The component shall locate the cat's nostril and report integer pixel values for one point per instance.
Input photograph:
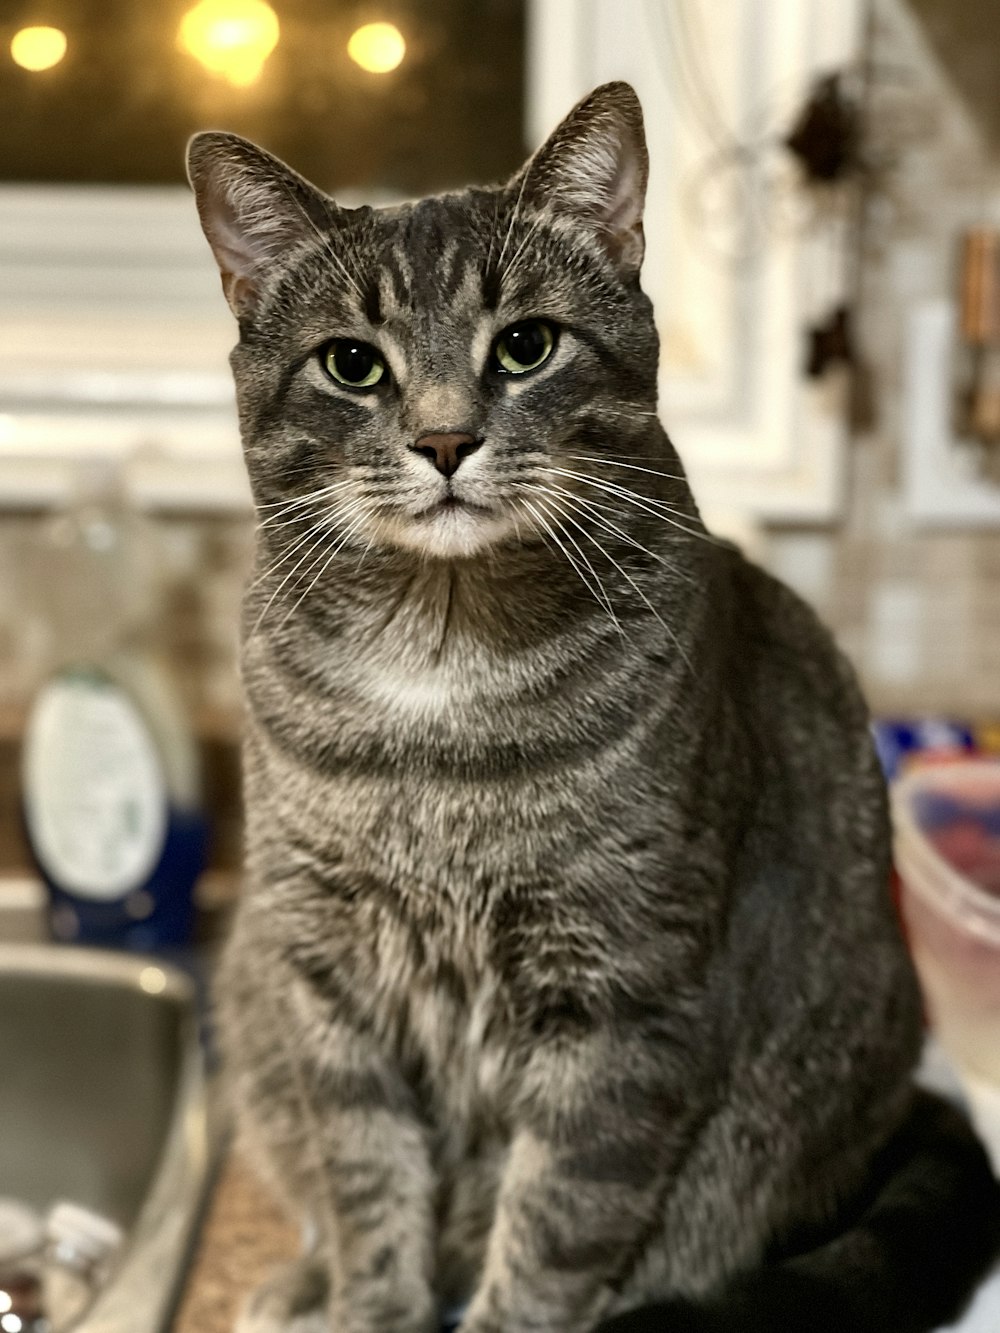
(446, 449)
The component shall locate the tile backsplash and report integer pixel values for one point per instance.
(201, 564)
(919, 616)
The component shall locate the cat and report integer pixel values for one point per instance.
(566, 986)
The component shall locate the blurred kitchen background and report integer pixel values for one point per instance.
(817, 172)
(823, 250)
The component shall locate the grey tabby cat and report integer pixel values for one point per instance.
(566, 986)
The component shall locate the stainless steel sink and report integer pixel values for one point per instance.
(103, 1103)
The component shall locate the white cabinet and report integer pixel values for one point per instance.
(739, 259)
(113, 342)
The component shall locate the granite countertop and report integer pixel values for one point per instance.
(244, 1237)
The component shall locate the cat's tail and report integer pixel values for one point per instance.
(907, 1264)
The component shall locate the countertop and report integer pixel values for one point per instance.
(244, 1237)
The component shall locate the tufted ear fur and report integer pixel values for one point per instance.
(253, 210)
(595, 165)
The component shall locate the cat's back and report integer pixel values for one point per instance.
(794, 687)
(813, 870)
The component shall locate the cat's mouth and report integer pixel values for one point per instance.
(451, 503)
(449, 526)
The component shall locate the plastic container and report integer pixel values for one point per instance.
(81, 1247)
(110, 782)
(51, 1269)
(947, 850)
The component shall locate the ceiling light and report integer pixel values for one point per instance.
(231, 38)
(377, 47)
(38, 48)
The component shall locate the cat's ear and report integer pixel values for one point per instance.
(595, 165)
(253, 209)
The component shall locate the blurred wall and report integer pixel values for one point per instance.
(918, 610)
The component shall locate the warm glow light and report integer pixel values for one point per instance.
(377, 47)
(38, 48)
(5, 1301)
(10, 1323)
(232, 38)
(153, 980)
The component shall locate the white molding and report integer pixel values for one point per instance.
(114, 339)
(169, 460)
(757, 438)
(940, 484)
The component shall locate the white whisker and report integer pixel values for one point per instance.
(282, 506)
(273, 521)
(513, 219)
(583, 556)
(319, 519)
(601, 597)
(318, 516)
(587, 508)
(359, 522)
(645, 502)
(368, 547)
(493, 235)
(632, 467)
(268, 572)
(529, 235)
(626, 575)
(328, 519)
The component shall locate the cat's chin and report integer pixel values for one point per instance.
(448, 534)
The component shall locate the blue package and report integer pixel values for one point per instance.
(896, 738)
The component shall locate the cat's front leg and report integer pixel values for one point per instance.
(336, 1118)
(600, 1132)
(379, 1235)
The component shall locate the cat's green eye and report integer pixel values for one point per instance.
(356, 365)
(524, 346)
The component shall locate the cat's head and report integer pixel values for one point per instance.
(412, 376)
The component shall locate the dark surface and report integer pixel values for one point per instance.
(123, 102)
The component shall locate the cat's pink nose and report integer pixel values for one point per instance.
(447, 449)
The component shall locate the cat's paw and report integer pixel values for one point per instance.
(292, 1300)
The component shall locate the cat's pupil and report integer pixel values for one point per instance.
(354, 361)
(526, 343)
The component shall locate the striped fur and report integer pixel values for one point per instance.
(565, 977)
